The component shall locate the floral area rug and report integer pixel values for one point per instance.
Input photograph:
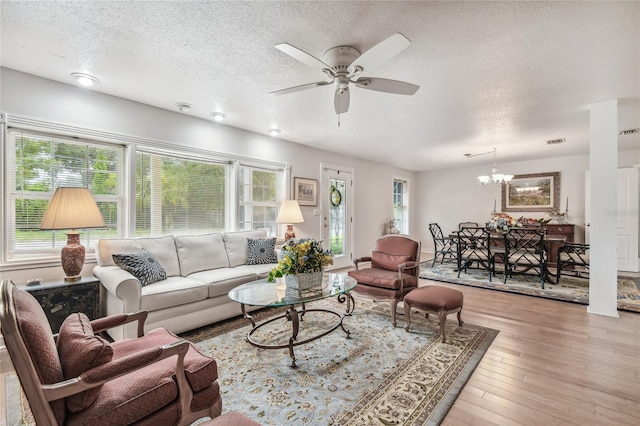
(570, 289)
(379, 375)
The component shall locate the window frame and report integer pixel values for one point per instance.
(403, 226)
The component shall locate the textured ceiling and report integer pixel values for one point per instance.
(509, 75)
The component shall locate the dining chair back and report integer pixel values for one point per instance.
(524, 252)
(444, 247)
(474, 250)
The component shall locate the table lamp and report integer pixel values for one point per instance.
(289, 214)
(72, 208)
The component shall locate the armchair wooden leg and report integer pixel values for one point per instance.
(407, 316)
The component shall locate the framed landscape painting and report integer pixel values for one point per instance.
(305, 191)
(539, 192)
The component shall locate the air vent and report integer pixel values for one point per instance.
(629, 132)
(555, 141)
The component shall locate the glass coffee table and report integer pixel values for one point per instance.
(263, 293)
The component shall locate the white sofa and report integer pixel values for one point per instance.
(200, 269)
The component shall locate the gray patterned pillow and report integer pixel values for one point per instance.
(261, 251)
(143, 265)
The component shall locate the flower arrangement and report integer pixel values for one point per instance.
(502, 222)
(301, 256)
(389, 226)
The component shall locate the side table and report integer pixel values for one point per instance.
(59, 299)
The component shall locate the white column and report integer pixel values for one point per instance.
(603, 164)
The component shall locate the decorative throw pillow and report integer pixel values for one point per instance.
(261, 251)
(142, 265)
(386, 261)
(80, 350)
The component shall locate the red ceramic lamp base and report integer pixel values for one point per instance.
(72, 257)
(289, 234)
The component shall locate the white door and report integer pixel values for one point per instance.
(627, 214)
(336, 195)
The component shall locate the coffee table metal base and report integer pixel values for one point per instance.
(295, 316)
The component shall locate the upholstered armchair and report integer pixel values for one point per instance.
(77, 377)
(393, 271)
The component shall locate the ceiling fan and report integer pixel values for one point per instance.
(344, 65)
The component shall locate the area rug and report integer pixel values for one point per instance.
(379, 375)
(570, 289)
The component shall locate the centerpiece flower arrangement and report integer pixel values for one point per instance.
(502, 222)
(303, 256)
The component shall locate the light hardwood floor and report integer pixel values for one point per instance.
(551, 364)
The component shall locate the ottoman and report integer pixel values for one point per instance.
(434, 299)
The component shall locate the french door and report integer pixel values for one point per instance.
(337, 205)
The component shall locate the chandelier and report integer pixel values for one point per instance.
(495, 177)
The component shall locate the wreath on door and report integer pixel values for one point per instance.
(335, 196)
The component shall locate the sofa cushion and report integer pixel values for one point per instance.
(236, 245)
(200, 253)
(386, 261)
(143, 265)
(173, 291)
(221, 281)
(80, 350)
(164, 248)
(261, 251)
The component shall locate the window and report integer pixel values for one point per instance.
(176, 195)
(401, 205)
(36, 166)
(259, 191)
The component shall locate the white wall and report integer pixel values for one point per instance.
(32, 97)
(449, 197)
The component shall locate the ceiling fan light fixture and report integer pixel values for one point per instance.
(84, 79)
(218, 116)
(274, 132)
(183, 107)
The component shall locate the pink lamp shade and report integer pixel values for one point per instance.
(72, 208)
(289, 214)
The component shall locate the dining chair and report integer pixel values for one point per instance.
(473, 247)
(524, 252)
(445, 247)
(570, 256)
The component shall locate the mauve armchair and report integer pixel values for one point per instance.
(76, 377)
(393, 272)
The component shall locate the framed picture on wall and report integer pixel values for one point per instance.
(305, 191)
(539, 192)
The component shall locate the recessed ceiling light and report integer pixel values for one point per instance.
(218, 116)
(85, 79)
(183, 107)
(274, 132)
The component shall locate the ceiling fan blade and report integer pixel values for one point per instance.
(341, 100)
(300, 88)
(380, 53)
(386, 85)
(301, 56)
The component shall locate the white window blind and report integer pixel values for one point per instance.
(259, 192)
(37, 164)
(177, 195)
